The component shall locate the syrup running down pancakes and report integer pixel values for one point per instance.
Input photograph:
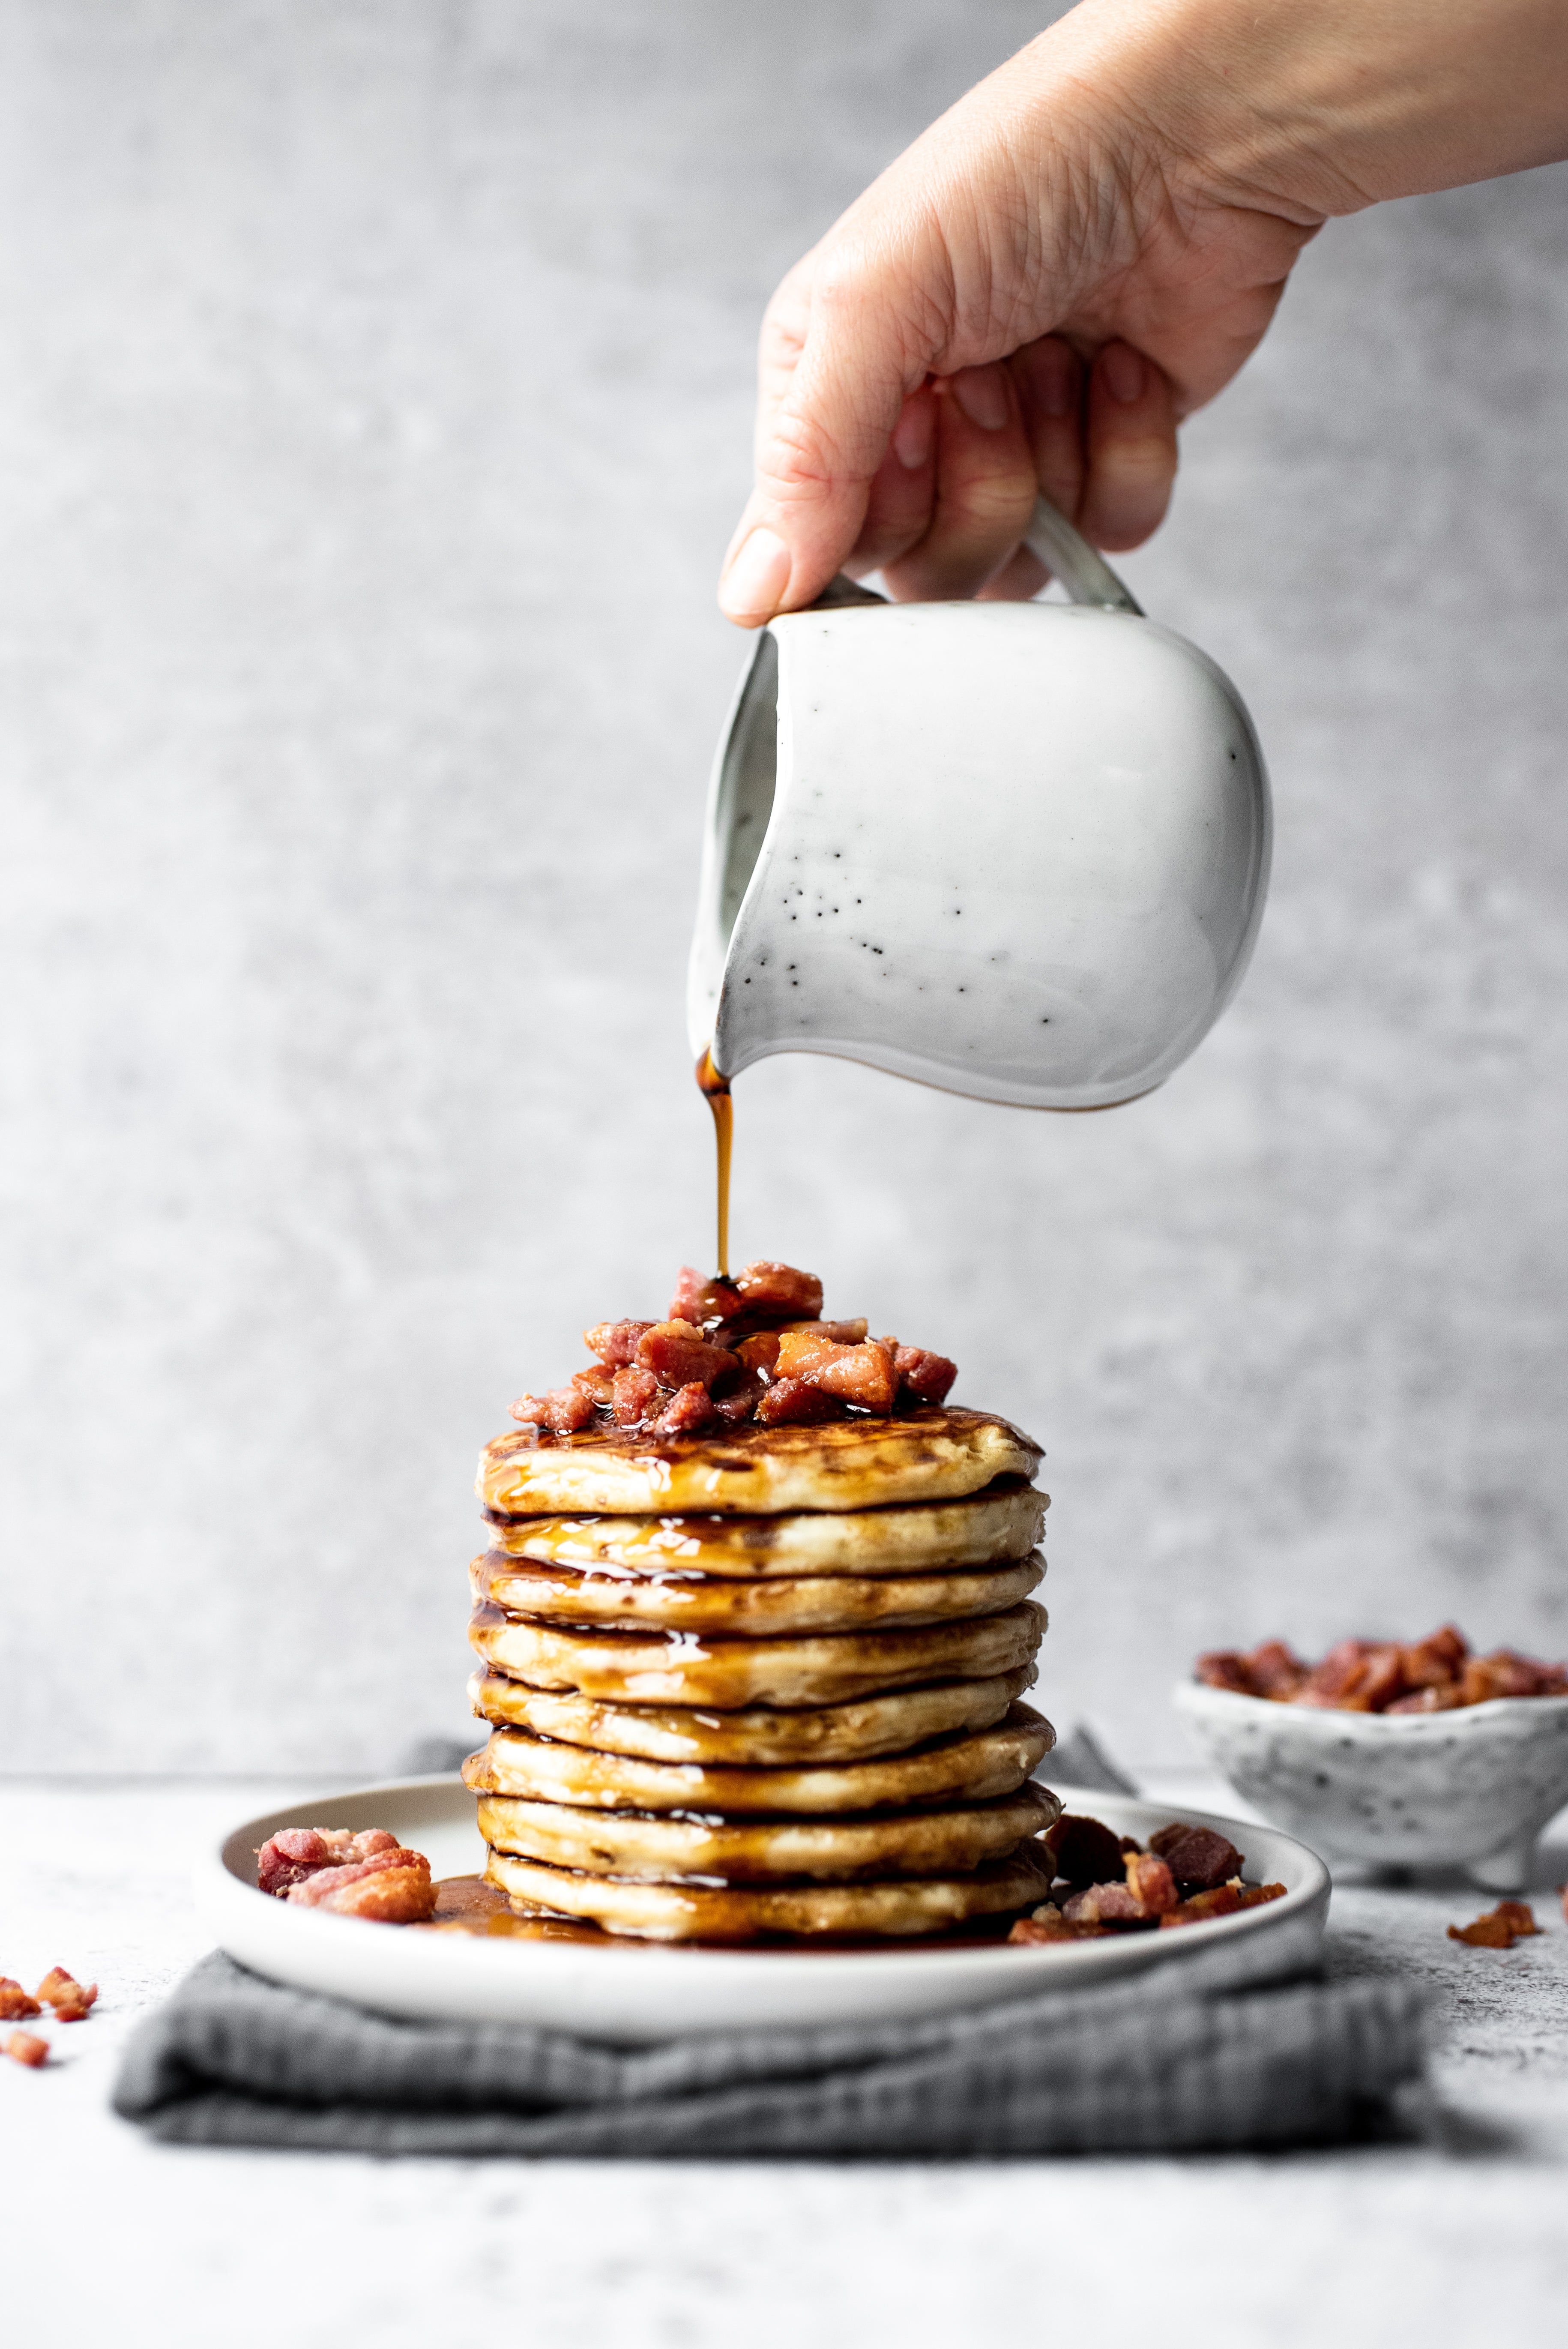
(755, 1617)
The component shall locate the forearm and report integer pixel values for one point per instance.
(1322, 107)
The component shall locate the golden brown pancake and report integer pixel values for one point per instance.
(931, 1454)
(689, 1668)
(756, 1735)
(1004, 1522)
(961, 1769)
(706, 1602)
(646, 1847)
(689, 1912)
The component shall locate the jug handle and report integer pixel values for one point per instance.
(1066, 553)
(1084, 574)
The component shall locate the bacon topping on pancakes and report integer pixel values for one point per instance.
(733, 1353)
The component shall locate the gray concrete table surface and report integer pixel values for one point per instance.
(1453, 2232)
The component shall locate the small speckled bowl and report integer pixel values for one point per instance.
(1470, 1788)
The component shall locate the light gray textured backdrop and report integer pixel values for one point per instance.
(375, 383)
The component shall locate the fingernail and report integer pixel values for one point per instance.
(913, 434)
(755, 582)
(1054, 378)
(980, 394)
(1122, 369)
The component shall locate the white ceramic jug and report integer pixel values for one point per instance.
(1016, 850)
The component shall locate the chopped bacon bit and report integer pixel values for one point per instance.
(15, 2006)
(1278, 1670)
(1432, 1675)
(633, 1396)
(1082, 1850)
(860, 1374)
(677, 1353)
(1446, 1699)
(1105, 1904)
(71, 2000)
(1223, 1667)
(1356, 1676)
(294, 1854)
(1048, 1924)
(790, 1402)
(699, 1300)
(615, 1342)
(1253, 1896)
(1428, 1663)
(391, 1886)
(1197, 1858)
(842, 1333)
(689, 1409)
(740, 1403)
(760, 1353)
(1151, 1883)
(597, 1384)
(1220, 1900)
(25, 2047)
(780, 1288)
(923, 1374)
(1509, 1921)
(565, 1412)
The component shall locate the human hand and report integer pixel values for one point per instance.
(1083, 250)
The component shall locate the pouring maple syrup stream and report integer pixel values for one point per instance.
(717, 1088)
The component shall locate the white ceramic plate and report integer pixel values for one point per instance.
(636, 1992)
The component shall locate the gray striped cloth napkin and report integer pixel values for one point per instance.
(1213, 2050)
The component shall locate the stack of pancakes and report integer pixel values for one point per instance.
(763, 1681)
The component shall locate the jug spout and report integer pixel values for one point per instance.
(1016, 850)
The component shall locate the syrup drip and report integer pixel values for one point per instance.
(716, 1089)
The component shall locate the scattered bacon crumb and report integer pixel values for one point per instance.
(25, 2047)
(1509, 1921)
(71, 2000)
(15, 2006)
(1436, 1674)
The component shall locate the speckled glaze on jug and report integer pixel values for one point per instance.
(1470, 1788)
(1016, 850)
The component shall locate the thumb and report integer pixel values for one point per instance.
(838, 358)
